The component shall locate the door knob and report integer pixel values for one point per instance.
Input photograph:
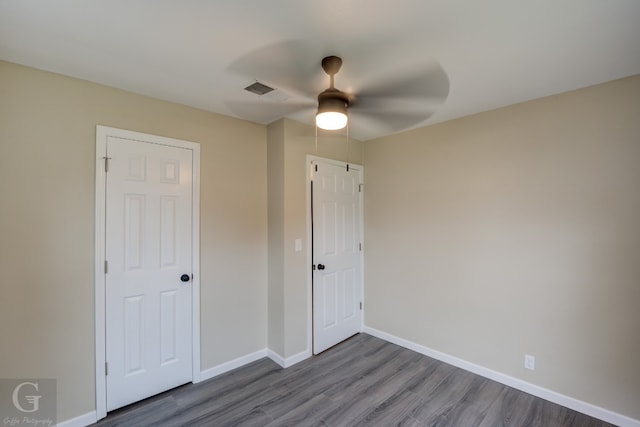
(185, 278)
(320, 266)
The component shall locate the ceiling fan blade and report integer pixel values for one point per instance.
(376, 104)
(384, 122)
(390, 105)
(292, 65)
(266, 112)
(363, 127)
(424, 80)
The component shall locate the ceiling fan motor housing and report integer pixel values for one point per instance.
(333, 100)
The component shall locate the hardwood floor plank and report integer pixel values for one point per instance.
(443, 398)
(473, 406)
(364, 393)
(153, 412)
(307, 413)
(370, 372)
(226, 408)
(392, 411)
(363, 381)
(410, 422)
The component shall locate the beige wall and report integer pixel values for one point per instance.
(289, 144)
(47, 155)
(516, 231)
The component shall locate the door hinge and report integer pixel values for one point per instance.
(106, 369)
(347, 167)
(106, 266)
(360, 247)
(316, 168)
(360, 305)
(360, 188)
(106, 163)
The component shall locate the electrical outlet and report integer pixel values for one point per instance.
(530, 362)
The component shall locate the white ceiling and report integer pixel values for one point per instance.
(195, 52)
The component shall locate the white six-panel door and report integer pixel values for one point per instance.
(148, 249)
(337, 276)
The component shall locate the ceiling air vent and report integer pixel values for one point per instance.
(258, 88)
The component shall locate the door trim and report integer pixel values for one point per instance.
(311, 160)
(102, 133)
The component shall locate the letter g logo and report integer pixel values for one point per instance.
(33, 400)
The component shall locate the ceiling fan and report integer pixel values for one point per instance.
(384, 96)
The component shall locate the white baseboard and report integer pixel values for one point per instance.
(80, 421)
(297, 358)
(248, 358)
(546, 394)
(289, 361)
(276, 358)
(232, 364)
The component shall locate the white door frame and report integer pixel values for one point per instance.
(102, 133)
(310, 161)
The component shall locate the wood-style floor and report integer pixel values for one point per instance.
(363, 381)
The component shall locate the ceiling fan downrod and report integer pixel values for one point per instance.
(331, 65)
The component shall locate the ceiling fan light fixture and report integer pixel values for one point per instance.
(331, 120)
(332, 113)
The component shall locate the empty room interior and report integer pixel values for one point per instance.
(478, 207)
